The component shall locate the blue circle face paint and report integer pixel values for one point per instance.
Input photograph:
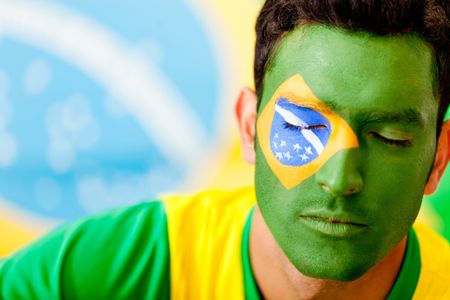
(298, 134)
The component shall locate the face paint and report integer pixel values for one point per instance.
(339, 212)
(299, 133)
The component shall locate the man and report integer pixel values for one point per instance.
(346, 130)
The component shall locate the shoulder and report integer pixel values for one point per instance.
(113, 235)
(435, 264)
(113, 226)
(100, 229)
(121, 252)
(125, 250)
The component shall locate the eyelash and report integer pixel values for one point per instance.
(399, 143)
(298, 128)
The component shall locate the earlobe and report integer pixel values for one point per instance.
(441, 160)
(245, 111)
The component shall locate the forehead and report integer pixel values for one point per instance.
(353, 71)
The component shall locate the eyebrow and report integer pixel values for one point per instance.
(408, 116)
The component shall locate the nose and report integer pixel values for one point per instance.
(340, 175)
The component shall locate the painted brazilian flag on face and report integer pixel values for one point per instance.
(298, 133)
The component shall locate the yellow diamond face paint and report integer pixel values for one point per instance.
(299, 133)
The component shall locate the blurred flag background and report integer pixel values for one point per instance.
(108, 103)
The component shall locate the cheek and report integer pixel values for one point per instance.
(398, 171)
(264, 176)
(275, 201)
(279, 206)
(395, 189)
(268, 187)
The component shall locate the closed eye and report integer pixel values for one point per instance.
(309, 127)
(399, 143)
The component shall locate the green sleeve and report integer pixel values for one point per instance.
(123, 254)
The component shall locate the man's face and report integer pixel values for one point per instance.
(357, 114)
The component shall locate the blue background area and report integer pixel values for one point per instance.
(172, 37)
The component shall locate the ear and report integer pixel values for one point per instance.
(245, 111)
(441, 159)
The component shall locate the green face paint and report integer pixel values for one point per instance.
(343, 219)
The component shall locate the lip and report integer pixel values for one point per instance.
(335, 225)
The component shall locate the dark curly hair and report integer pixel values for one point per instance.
(428, 18)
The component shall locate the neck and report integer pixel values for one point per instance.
(278, 278)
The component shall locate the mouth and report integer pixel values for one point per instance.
(333, 225)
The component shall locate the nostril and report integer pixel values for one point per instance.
(325, 187)
(352, 191)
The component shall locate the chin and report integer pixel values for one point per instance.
(343, 275)
(345, 269)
